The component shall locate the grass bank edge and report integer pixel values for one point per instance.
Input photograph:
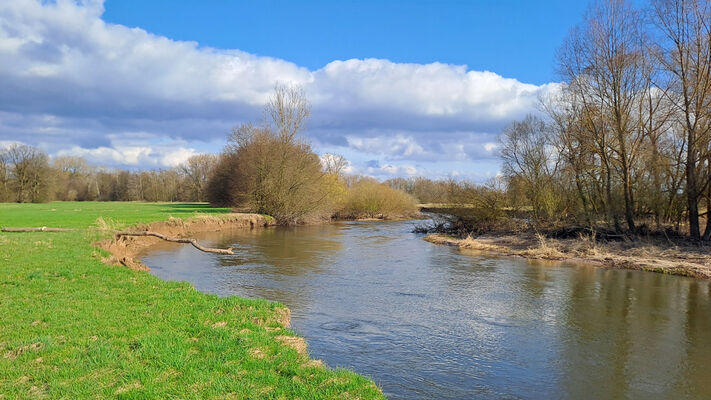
(104, 318)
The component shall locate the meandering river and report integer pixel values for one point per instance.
(432, 322)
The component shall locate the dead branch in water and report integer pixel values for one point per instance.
(176, 240)
(129, 233)
(39, 229)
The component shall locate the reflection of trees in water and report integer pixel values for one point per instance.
(292, 251)
(625, 335)
(278, 263)
(605, 333)
(697, 328)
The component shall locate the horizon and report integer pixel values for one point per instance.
(399, 92)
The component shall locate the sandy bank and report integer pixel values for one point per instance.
(125, 250)
(654, 256)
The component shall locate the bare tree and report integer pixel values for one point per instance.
(529, 154)
(29, 173)
(684, 51)
(334, 164)
(5, 192)
(287, 111)
(197, 170)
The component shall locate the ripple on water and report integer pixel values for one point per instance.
(340, 326)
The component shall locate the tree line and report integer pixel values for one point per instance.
(626, 141)
(27, 175)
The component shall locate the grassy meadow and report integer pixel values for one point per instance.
(74, 327)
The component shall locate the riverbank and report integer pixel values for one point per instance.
(653, 255)
(74, 327)
(125, 250)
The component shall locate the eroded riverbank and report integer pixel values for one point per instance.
(125, 250)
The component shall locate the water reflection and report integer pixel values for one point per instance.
(427, 321)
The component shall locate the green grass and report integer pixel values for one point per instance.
(83, 214)
(72, 327)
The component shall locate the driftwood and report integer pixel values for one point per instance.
(176, 240)
(40, 229)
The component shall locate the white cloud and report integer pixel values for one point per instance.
(132, 156)
(395, 170)
(398, 146)
(70, 82)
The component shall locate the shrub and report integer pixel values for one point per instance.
(368, 198)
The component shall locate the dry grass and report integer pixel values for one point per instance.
(642, 254)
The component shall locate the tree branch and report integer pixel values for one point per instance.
(176, 240)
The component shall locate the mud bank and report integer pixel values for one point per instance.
(693, 261)
(124, 251)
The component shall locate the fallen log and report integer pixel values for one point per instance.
(37, 229)
(176, 240)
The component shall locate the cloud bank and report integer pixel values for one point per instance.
(74, 84)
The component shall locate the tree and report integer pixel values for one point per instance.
(605, 64)
(5, 192)
(270, 170)
(684, 52)
(197, 170)
(29, 173)
(529, 155)
(71, 178)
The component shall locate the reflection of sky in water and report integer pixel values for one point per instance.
(427, 321)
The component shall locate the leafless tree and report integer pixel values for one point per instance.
(29, 173)
(529, 155)
(197, 170)
(287, 111)
(684, 51)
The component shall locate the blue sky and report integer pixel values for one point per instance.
(398, 88)
(514, 38)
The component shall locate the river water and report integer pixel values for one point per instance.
(432, 322)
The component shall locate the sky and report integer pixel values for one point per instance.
(399, 88)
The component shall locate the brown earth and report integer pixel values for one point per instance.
(124, 251)
(645, 255)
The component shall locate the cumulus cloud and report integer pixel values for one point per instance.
(132, 156)
(74, 84)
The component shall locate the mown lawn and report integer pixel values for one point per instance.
(72, 327)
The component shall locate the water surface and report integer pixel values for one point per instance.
(431, 322)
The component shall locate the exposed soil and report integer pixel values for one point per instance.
(644, 254)
(125, 249)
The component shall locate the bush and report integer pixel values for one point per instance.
(368, 198)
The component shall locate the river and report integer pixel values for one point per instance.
(432, 322)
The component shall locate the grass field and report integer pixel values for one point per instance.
(72, 327)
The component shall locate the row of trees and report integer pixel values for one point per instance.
(627, 141)
(28, 175)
